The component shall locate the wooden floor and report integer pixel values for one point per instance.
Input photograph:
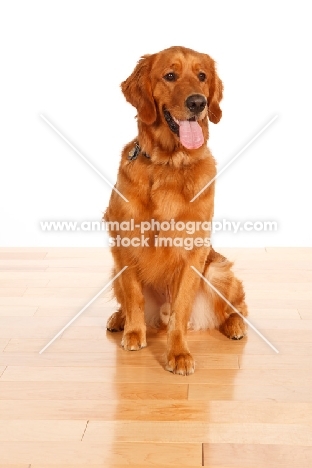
(85, 402)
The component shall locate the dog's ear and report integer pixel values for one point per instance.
(137, 90)
(215, 96)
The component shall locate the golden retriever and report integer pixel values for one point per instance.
(176, 92)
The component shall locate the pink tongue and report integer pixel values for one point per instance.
(191, 135)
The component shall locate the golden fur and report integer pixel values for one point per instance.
(159, 287)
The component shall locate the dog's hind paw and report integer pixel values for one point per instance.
(234, 327)
(116, 322)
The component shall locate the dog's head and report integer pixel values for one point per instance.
(177, 87)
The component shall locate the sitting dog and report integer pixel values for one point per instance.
(176, 92)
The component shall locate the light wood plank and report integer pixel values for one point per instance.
(91, 391)
(293, 252)
(282, 324)
(79, 252)
(9, 465)
(24, 249)
(147, 360)
(249, 252)
(39, 431)
(278, 275)
(222, 345)
(3, 344)
(9, 292)
(23, 345)
(33, 254)
(305, 314)
(256, 456)
(101, 453)
(277, 361)
(131, 374)
(61, 262)
(17, 311)
(59, 278)
(277, 301)
(23, 283)
(301, 263)
(34, 321)
(96, 309)
(77, 281)
(223, 411)
(31, 331)
(99, 269)
(108, 465)
(88, 293)
(292, 392)
(20, 267)
(277, 314)
(276, 293)
(49, 301)
(208, 432)
(286, 336)
(302, 286)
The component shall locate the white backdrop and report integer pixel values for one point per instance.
(66, 59)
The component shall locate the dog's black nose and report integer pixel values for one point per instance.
(196, 103)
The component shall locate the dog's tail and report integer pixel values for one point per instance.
(211, 306)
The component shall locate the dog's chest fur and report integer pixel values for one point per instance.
(165, 189)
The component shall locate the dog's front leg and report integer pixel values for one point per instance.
(134, 336)
(179, 358)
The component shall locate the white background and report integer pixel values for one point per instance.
(66, 60)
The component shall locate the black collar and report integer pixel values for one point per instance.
(134, 153)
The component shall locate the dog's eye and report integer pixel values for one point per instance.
(170, 76)
(201, 76)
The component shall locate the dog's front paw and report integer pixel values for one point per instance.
(182, 364)
(133, 340)
(234, 327)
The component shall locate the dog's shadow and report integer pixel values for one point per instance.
(152, 356)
